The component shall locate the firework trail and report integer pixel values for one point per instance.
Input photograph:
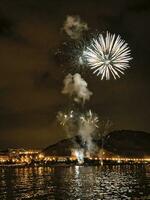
(107, 56)
(74, 27)
(76, 87)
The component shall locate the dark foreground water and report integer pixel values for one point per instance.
(75, 183)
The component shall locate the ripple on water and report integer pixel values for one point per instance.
(75, 182)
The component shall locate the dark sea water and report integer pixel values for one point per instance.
(76, 182)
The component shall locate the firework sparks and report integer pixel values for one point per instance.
(108, 56)
(65, 117)
(90, 118)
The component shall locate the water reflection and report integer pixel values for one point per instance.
(75, 182)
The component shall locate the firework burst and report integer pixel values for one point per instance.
(89, 118)
(64, 117)
(107, 56)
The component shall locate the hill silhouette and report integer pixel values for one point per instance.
(125, 142)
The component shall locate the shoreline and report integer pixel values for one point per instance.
(20, 165)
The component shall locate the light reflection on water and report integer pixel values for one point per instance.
(75, 183)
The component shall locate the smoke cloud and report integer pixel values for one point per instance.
(76, 87)
(88, 125)
(86, 131)
(74, 27)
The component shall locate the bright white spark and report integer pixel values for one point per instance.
(79, 155)
(108, 56)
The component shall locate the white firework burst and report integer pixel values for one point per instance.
(89, 118)
(62, 118)
(108, 56)
(65, 117)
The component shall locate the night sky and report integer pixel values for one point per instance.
(31, 79)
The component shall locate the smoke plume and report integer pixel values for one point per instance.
(74, 27)
(88, 125)
(76, 87)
